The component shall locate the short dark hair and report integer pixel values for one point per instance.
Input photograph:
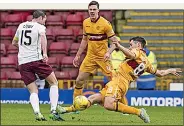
(139, 39)
(94, 3)
(38, 13)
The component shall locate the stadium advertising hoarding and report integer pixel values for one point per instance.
(135, 98)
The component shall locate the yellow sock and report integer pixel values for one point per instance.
(70, 109)
(120, 107)
(124, 101)
(77, 92)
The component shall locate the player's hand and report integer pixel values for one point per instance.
(76, 61)
(116, 43)
(107, 56)
(175, 71)
(45, 58)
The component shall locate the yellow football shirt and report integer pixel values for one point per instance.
(97, 34)
(130, 69)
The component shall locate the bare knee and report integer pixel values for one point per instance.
(55, 82)
(33, 91)
(95, 98)
(108, 103)
(32, 88)
(51, 79)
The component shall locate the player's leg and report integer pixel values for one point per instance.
(34, 100)
(106, 68)
(40, 83)
(87, 67)
(114, 105)
(125, 102)
(54, 96)
(28, 76)
(92, 99)
(44, 71)
(78, 87)
(95, 98)
(112, 100)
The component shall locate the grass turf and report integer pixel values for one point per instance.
(22, 114)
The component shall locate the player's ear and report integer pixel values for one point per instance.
(40, 18)
(44, 17)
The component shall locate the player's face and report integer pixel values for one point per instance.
(93, 11)
(44, 20)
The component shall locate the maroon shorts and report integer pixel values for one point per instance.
(28, 71)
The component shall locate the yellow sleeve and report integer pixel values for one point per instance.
(108, 29)
(151, 69)
(136, 52)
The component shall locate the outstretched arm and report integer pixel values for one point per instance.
(174, 71)
(126, 51)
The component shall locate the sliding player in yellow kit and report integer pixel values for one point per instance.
(135, 64)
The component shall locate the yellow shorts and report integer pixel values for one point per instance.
(116, 88)
(91, 65)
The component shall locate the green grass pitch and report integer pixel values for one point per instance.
(22, 114)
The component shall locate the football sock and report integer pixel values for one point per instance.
(35, 102)
(70, 109)
(77, 92)
(124, 101)
(120, 107)
(53, 97)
